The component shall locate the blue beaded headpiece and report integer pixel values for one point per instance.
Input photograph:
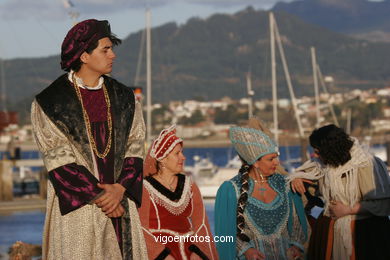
(251, 144)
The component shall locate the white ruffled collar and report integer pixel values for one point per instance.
(80, 83)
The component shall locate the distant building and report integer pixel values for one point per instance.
(386, 111)
(380, 125)
(385, 92)
(8, 118)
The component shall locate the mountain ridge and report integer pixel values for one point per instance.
(209, 58)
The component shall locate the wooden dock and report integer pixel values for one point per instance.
(22, 204)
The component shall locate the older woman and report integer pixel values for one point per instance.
(172, 214)
(355, 187)
(256, 207)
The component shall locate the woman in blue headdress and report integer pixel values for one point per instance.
(256, 207)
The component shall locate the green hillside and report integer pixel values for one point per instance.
(208, 59)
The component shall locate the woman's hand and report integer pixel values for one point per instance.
(254, 254)
(294, 253)
(297, 185)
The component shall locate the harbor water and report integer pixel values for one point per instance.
(27, 226)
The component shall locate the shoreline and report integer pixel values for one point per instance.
(216, 142)
(22, 204)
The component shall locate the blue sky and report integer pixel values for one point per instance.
(36, 28)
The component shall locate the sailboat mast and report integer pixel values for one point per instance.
(273, 71)
(3, 90)
(349, 117)
(316, 91)
(288, 79)
(148, 78)
(250, 94)
(140, 58)
(330, 105)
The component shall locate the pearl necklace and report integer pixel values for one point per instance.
(88, 123)
(262, 179)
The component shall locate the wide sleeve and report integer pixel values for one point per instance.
(310, 170)
(131, 175)
(131, 178)
(135, 146)
(374, 184)
(52, 143)
(225, 211)
(298, 227)
(156, 250)
(201, 226)
(74, 184)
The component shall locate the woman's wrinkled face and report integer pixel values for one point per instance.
(174, 162)
(267, 164)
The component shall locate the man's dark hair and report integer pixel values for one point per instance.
(333, 145)
(77, 64)
(84, 37)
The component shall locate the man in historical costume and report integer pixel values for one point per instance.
(90, 130)
(355, 189)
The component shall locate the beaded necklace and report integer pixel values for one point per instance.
(88, 124)
(262, 181)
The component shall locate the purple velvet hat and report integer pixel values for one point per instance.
(80, 38)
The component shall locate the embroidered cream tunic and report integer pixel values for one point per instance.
(86, 233)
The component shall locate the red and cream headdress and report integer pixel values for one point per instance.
(164, 143)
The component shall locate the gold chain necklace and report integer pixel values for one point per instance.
(88, 124)
(169, 183)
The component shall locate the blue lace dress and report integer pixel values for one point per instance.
(272, 227)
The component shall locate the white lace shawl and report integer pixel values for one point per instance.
(338, 183)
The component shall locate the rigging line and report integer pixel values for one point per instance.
(3, 93)
(325, 89)
(141, 52)
(288, 78)
(3, 89)
(44, 28)
(140, 58)
(266, 71)
(21, 47)
(158, 56)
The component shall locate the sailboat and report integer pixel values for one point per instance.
(275, 41)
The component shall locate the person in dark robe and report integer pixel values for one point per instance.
(90, 130)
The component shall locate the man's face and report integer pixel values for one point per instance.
(101, 58)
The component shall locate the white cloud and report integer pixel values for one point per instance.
(55, 9)
(27, 9)
(256, 3)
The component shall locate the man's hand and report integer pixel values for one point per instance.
(110, 200)
(118, 212)
(297, 185)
